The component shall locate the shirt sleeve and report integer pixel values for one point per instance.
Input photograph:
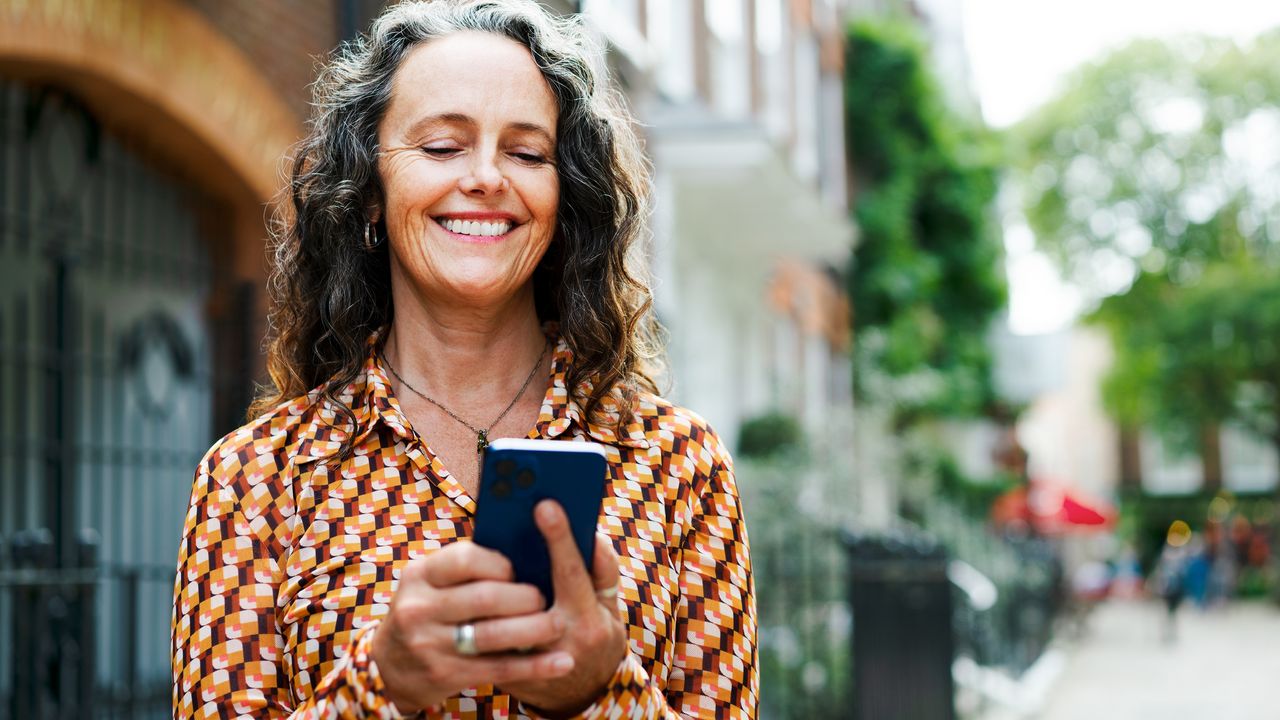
(228, 654)
(714, 671)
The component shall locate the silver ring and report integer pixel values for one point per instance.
(464, 639)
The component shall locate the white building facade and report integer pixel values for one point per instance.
(742, 110)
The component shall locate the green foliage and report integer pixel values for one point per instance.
(926, 276)
(1151, 181)
(1220, 352)
(770, 435)
(800, 587)
(1189, 357)
(1150, 160)
(1145, 519)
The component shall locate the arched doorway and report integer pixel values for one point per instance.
(132, 187)
(107, 377)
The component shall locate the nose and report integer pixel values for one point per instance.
(484, 176)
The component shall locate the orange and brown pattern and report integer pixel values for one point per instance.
(290, 558)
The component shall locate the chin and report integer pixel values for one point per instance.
(480, 291)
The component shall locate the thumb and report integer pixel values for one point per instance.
(569, 576)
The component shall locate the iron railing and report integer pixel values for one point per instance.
(803, 568)
(83, 639)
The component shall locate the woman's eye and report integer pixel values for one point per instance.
(440, 151)
(530, 158)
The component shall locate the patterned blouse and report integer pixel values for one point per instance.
(289, 559)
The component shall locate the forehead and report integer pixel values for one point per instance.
(489, 78)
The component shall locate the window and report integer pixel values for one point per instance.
(772, 29)
(671, 41)
(729, 57)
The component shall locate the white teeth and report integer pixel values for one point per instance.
(472, 227)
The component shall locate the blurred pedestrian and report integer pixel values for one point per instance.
(1090, 585)
(1197, 572)
(1223, 569)
(1259, 548)
(1126, 573)
(1169, 579)
(1241, 537)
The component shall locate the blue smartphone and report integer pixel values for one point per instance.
(516, 475)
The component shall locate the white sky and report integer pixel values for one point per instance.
(1021, 49)
(1019, 53)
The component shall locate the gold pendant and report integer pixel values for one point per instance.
(482, 441)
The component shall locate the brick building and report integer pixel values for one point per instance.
(140, 143)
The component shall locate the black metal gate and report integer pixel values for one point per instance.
(902, 632)
(106, 405)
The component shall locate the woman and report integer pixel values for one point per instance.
(463, 212)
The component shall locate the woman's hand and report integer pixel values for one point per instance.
(465, 583)
(595, 635)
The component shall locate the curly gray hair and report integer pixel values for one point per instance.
(329, 293)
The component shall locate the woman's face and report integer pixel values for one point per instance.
(467, 167)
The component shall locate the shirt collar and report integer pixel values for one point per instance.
(372, 401)
(560, 409)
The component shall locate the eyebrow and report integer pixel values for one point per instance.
(453, 118)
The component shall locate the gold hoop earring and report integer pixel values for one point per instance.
(371, 239)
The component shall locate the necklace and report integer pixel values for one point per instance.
(482, 435)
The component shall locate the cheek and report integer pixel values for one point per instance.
(414, 185)
(544, 197)
(553, 199)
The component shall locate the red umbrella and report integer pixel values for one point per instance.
(1052, 509)
(1075, 512)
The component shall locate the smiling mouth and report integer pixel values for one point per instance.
(477, 228)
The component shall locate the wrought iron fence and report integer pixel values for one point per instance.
(803, 588)
(1026, 573)
(803, 614)
(85, 641)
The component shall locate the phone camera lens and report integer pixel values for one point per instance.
(525, 479)
(502, 489)
(505, 467)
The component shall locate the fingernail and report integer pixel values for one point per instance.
(546, 512)
(562, 664)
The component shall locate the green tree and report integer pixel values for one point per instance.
(1221, 359)
(1158, 159)
(1151, 180)
(926, 276)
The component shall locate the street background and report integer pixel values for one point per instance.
(1220, 669)
(985, 295)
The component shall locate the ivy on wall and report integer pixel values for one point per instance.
(927, 275)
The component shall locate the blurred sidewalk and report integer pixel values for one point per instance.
(1223, 666)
